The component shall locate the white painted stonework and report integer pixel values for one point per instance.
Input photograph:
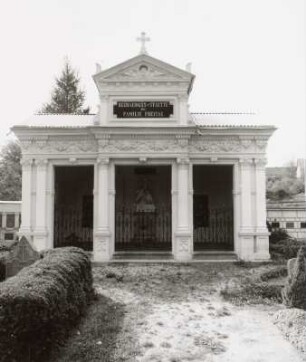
(181, 141)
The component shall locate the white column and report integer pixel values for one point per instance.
(41, 232)
(246, 233)
(236, 203)
(183, 231)
(26, 207)
(262, 234)
(101, 246)
(50, 205)
(112, 196)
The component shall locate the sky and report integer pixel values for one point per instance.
(247, 55)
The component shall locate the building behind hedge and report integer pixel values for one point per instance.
(144, 175)
(288, 214)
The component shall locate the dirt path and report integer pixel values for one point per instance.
(174, 314)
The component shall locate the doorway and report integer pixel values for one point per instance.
(73, 206)
(213, 207)
(143, 208)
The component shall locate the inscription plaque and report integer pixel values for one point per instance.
(143, 109)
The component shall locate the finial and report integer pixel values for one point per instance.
(143, 39)
(98, 68)
(188, 67)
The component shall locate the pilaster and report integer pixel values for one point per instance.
(246, 232)
(41, 232)
(101, 244)
(183, 234)
(262, 234)
(26, 206)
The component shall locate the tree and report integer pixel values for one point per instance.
(294, 292)
(66, 96)
(280, 188)
(10, 172)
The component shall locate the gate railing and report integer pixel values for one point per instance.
(219, 229)
(143, 227)
(69, 230)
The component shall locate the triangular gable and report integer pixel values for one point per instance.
(143, 68)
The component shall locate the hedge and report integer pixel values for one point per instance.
(41, 302)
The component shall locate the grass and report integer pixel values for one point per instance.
(95, 338)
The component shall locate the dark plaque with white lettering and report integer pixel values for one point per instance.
(151, 109)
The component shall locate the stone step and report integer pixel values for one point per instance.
(215, 256)
(142, 256)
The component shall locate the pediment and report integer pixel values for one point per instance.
(143, 68)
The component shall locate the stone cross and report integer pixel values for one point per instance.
(143, 38)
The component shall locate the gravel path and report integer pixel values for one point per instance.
(174, 314)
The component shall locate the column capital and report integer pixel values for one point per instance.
(245, 162)
(102, 161)
(183, 161)
(260, 162)
(26, 162)
(41, 162)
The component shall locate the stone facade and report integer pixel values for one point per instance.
(288, 214)
(10, 212)
(180, 141)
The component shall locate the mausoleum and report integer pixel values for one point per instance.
(144, 175)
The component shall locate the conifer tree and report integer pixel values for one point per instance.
(294, 292)
(66, 96)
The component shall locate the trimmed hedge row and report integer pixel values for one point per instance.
(41, 302)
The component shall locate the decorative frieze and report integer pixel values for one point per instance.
(145, 143)
(37, 145)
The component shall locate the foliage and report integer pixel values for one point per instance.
(294, 292)
(66, 96)
(281, 246)
(278, 235)
(279, 271)
(279, 188)
(253, 292)
(2, 269)
(40, 303)
(10, 172)
(96, 335)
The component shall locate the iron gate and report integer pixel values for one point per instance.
(143, 229)
(216, 230)
(70, 228)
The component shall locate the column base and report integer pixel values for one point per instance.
(40, 239)
(101, 246)
(254, 246)
(183, 246)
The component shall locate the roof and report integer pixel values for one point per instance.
(221, 119)
(59, 120)
(226, 119)
(297, 201)
(280, 171)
